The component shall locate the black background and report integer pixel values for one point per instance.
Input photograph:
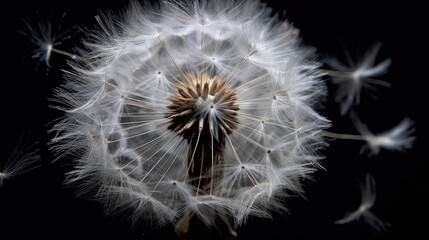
(36, 205)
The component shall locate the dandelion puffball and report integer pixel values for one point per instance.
(193, 109)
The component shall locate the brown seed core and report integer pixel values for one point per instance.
(203, 110)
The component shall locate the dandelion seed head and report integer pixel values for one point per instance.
(194, 109)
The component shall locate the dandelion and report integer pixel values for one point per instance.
(351, 79)
(368, 194)
(199, 109)
(24, 158)
(203, 111)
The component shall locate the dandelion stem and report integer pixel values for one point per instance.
(67, 54)
(344, 136)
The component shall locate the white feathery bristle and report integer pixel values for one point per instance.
(353, 79)
(24, 158)
(368, 196)
(398, 138)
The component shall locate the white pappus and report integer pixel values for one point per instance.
(24, 158)
(363, 212)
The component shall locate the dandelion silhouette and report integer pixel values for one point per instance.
(202, 111)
